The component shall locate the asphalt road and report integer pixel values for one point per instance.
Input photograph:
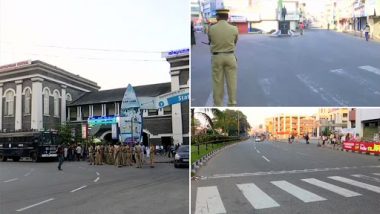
(27, 187)
(268, 177)
(321, 68)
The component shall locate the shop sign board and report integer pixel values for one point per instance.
(365, 147)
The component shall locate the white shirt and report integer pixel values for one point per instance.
(79, 150)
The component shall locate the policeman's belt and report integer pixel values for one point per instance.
(216, 53)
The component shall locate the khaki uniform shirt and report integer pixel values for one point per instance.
(223, 37)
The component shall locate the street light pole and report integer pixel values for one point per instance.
(238, 125)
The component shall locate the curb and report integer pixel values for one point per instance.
(346, 150)
(359, 152)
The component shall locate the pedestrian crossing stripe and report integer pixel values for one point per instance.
(255, 196)
(369, 178)
(298, 192)
(331, 187)
(356, 183)
(209, 201)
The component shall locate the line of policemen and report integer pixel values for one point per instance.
(120, 155)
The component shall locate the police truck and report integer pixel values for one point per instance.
(37, 145)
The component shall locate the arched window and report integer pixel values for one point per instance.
(56, 104)
(68, 97)
(9, 103)
(46, 101)
(27, 101)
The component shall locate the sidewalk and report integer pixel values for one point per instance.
(359, 34)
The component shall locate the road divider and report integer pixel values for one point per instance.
(266, 158)
(10, 180)
(33, 205)
(74, 190)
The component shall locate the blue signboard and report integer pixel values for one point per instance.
(172, 98)
(175, 53)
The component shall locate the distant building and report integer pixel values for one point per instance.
(368, 123)
(282, 126)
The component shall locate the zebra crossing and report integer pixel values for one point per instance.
(208, 199)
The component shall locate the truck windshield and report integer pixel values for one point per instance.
(46, 138)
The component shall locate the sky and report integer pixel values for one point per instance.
(113, 43)
(256, 115)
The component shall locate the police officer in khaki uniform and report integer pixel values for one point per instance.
(138, 150)
(152, 154)
(129, 155)
(223, 38)
(124, 155)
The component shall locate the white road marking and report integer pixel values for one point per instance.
(255, 196)
(370, 69)
(378, 174)
(266, 158)
(33, 205)
(97, 173)
(265, 85)
(96, 180)
(333, 188)
(356, 183)
(258, 151)
(359, 80)
(248, 174)
(325, 95)
(300, 153)
(298, 192)
(30, 172)
(209, 201)
(338, 71)
(74, 190)
(10, 180)
(369, 178)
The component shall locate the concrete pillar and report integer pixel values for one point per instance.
(298, 125)
(18, 113)
(63, 103)
(79, 113)
(278, 123)
(68, 114)
(1, 106)
(318, 125)
(176, 110)
(103, 109)
(284, 129)
(291, 124)
(36, 116)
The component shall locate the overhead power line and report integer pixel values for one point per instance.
(93, 49)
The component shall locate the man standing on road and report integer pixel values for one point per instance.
(137, 155)
(222, 39)
(60, 156)
(366, 32)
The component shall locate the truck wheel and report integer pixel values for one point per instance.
(16, 159)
